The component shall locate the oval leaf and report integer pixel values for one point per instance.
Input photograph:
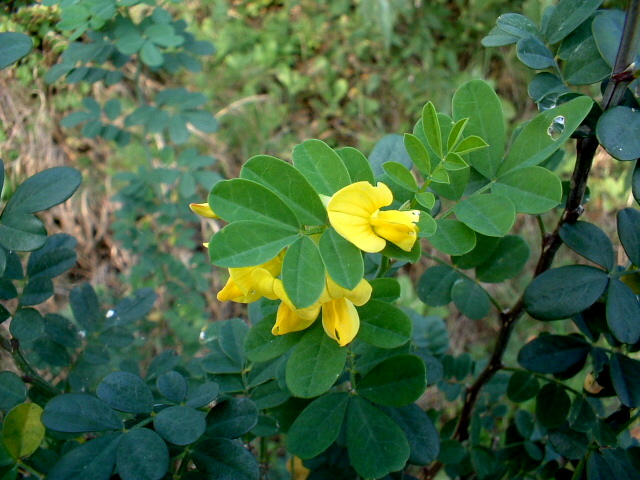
(394, 382)
(489, 214)
(126, 392)
(303, 272)
(22, 430)
(142, 455)
(80, 413)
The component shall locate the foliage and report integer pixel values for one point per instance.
(327, 357)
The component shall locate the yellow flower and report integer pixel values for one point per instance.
(203, 209)
(241, 286)
(354, 212)
(340, 318)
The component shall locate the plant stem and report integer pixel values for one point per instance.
(29, 373)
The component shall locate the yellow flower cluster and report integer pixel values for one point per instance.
(354, 212)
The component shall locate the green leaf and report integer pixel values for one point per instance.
(94, 459)
(232, 418)
(553, 353)
(22, 430)
(315, 364)
(470, 144)
(377, 445)
(483, 250)
(219, 362)
(453, 237)
(269, 395)
(629, 233)
(498, 38)
(617, 132)
(151, 56)
(172, 386)
(624, 375)
(506, 261)
(394, 382)
(431, 126)
(248, 243)
(12, 390)
(552, 405)
(36, 291)
(318, 426)
(569, 443)
(239, 199)
(532, 190)
(471, 299)
(400, 175)
(223, 459)
(357, 165)
(435, 284)
(456, 133)
(585, 65)
(534, 54)
(477, 101)
(21, 232)
(342, 259)
(85, 306)
(418, 153)
(142, 455)
(383, 325)
(126, 392)
(426, 199)
(263, 346)
(522, 387)
(565, 291)
(419, 431)
(232, 335)
(534, 143)
(14, 47)
(567, 16)
(582, 417)
(43, 190)
(80, 413)
(518, 25)
(27, 325)
(54, 258)
(131, 308)
(321, 165)
(488, 214)
(130, 43)
(389, 148)
(180, 425)
(289, 184)
(607, 29)
(623, 312)
(202, 395)
(303, 272)
(545, 84)
(589, 241)
(385, 289)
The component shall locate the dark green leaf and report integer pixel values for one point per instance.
(21, 232)
(518, 25)
(394, 382)
(232, 418)
(585, 65)
(617, 132)
(248, 243)
(357, 165)
(203, 395)
(342, 259)
(506, 261)
(8, 291)
(532, 190)
(173, 386)
(485, 247)
(582, 417)
(629, 233)
(522, 386)
(263, 346)
(180, 425)
(435, 284)
(132, 308)
(569, 443)
(126, 392)
(12, 390)
(324, 417)
(419, 431)
(623, 312)
(80, 413)
(142, 455)
(383, 325)
(303, 272)
(385, 289)
(94, 459)
(44, 190)
(534, 54)
(498, 38)
(321, 165)
(389, 148)
(453, 237)
(624, 374)
(552, 405)
(470, 298)
(54, 258)
(607, 29)
(269, 395)
(567, 16)
(240, 199)
(401, 175)
(589, 241)
(85, 307)
(563, 292)
(553, 353)
(315, 364)
(14, 47)
(377, 445)
(488, 214)
(27, 325)
(36, 291)
(232, 335)
(289, 184)
(224, 459)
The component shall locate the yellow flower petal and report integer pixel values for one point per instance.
(397, 226)
(232, 293)
(289, 320)
(203, 209)
(340, 320)
(358, 296)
